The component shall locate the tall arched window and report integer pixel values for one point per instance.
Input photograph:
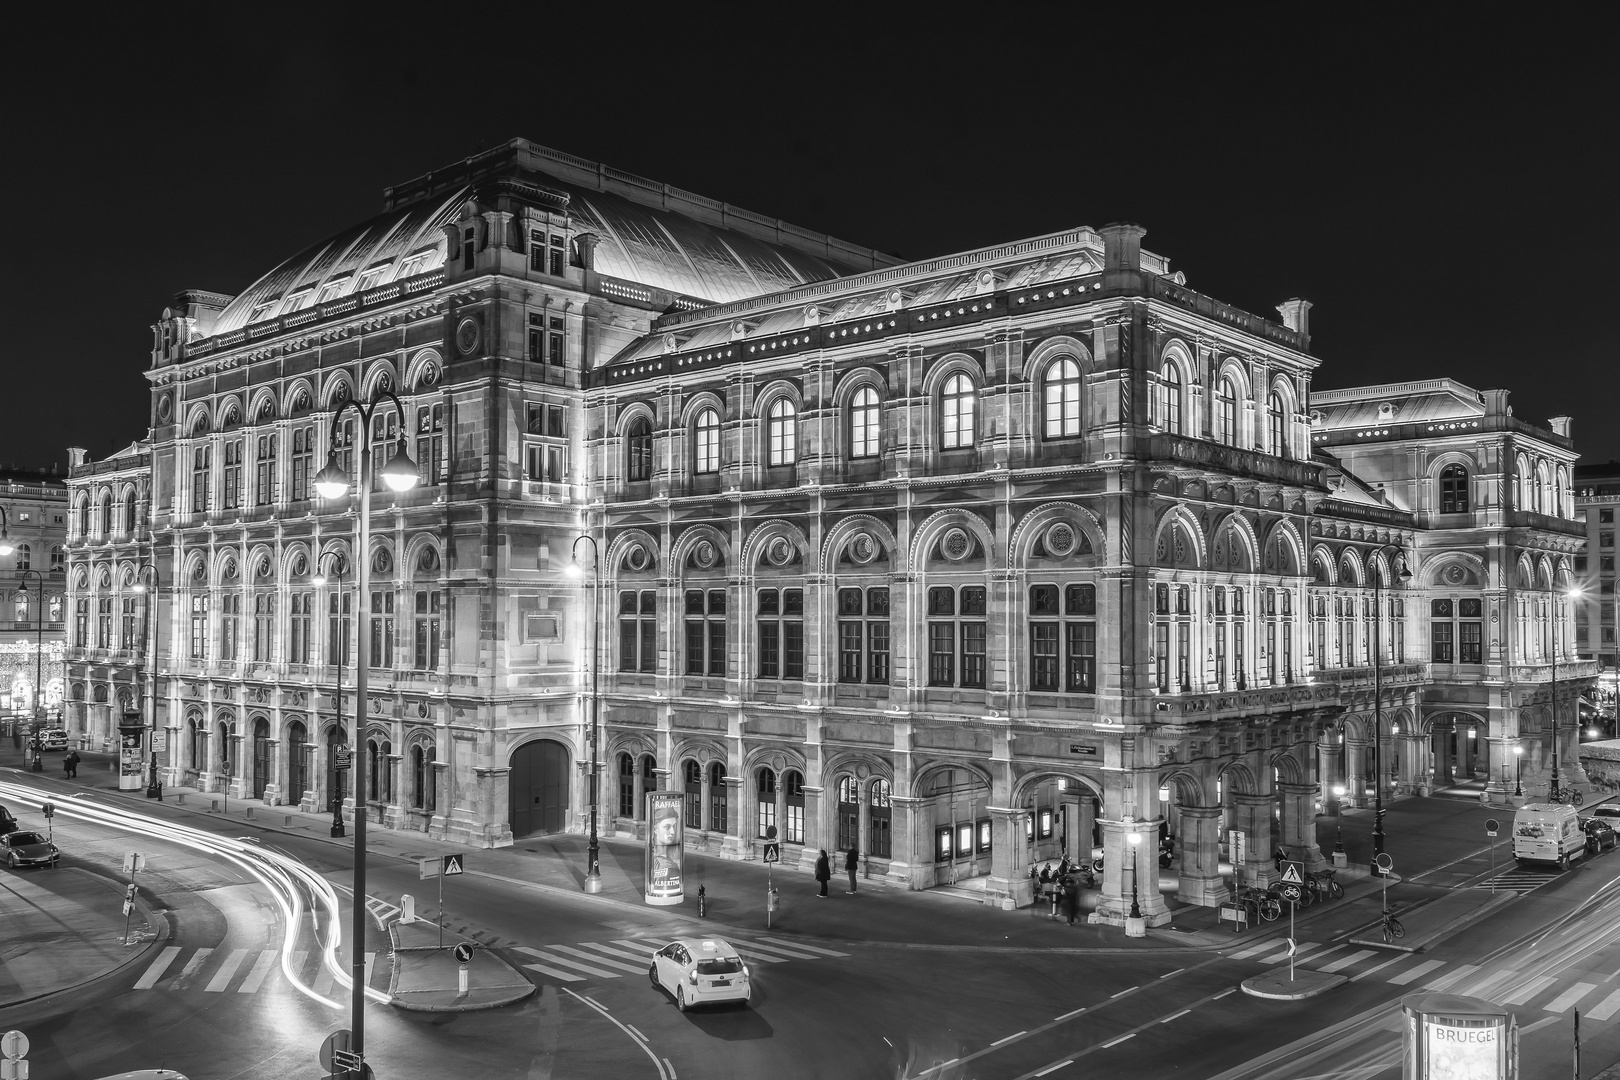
(863, 423)
(1276, 431)
(1454, 490)
(956, 407)
(1060, 406)
(793, 792)
(692, 775)
(783, 432)
(419, 777)
(1226, 412)
(106, 515)
(627, 786)
(1170, 399)
(718, 818)
(129, 514)
(638, 445)
(706, 442)
(766, 816)
(877, 840)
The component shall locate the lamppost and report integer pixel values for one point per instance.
(39, 640)
(1557, 626)
(332, 482)
(1338, 798)
(593, 872)
(1403, 577)
(1134, 838)
(1518, 772)
(6, 548)
(154, 786)
(342, 649)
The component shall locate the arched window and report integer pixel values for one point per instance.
(84, 518)
(793, 790)
(649, 782)
(1276, 431)
(849, 812)
(783, 432)
(1060, 407)
(956, 407)
(638, 454)
(863, 423)
(766, 815)
(1170, 399)
(877, 838)
(1454, 490)
(692, 774)
(706, 442)
(627, 786)
(129, 515)
(718, 817)
(1226, 412)
(419, 777)
(106, 515)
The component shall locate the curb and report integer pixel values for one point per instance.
(1274, 987)
(487, 997)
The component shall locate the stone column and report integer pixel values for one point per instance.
(1009, 875)
(1199, 849)
(1252, 814)
(1121, 870)
(1355, 757)
(274, 785)
(815, 830)
(904, 818)
(1299, 824)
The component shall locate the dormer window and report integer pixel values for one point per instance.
(263, 311)
(415, 263)
(298, 301)
(334, 288)
(371, 277)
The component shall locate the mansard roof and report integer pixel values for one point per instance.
(647, 232)
(1412, 402)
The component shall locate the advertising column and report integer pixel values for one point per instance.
(666, 837)
(1449, 1037)
(131, 743)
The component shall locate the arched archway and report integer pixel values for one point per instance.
(537, 789)
(297, 762)
(262, 764)
(954, 804)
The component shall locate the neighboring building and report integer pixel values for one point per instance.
(1597, 613)
(963, 561)
(31, 592)
(109, 542)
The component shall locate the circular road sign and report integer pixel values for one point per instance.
(1383, 861)
(1290, 892)
(337, 1041)
(1491, 825)
(13, 1046)
(464, 952)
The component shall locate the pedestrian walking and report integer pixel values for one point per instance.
(71, 763)
(823, 872)
(1071, 895)
(852, 859)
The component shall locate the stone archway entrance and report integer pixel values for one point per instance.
(537, 789)
(297, 762)
(954, 807)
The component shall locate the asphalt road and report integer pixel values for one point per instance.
(823, 1007)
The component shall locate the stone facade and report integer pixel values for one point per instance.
(32, 593)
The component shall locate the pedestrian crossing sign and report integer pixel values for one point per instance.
(1291, 875)
(452, 865)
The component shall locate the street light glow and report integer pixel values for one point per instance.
(332, 482)
(400, 474)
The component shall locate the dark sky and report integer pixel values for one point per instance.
(1444, 191)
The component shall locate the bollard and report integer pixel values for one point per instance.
(407, 908)
(180, 798)
(249, 811)
(702, 896)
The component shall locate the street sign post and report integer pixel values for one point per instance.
(13, 1060)
(49, 810)
(770, 856)
(1384, 865)
(1492, 826)
(464, 955)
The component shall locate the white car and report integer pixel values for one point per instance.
(1610, 811)
(697, 971)
(53, 739)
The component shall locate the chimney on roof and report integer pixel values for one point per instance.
(1122, 246)
(1296, 315)
(1496, 403)
(77, 455)
(1562, 425)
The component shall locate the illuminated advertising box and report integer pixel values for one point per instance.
(1449, 1037)
(662, 883)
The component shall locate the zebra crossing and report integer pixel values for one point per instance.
(1519, 878)
(1597, 1000)
(617, 957)
(242, 971)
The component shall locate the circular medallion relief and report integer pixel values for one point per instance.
(956, 544)
(467, 335)
(779, 552)
(1060, 539)
(165, 408)
(862, 548)
(704, 555)
(1455, 574)
(637, 557)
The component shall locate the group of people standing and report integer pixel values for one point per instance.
(852, 859)
(1061, 885)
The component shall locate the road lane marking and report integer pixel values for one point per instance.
(1529, 990)
(1055, 1068)
(1569, 997)
(1377, 968)
(800, 945)
(1123, 992)
(1175, 1016)
(1167, 974)
(227, 971)
(371, 959)
(261, 968)
(1304, 947)
(158, 967)
(595, 959)
(671, 1069)
(1415, 973)
(1116, 1042)
(1328, 952)
(1605, 1008)
(188, 972)
(1081, 1009)
(565, 962)
(1009, 1038)
(555, 974)
(1455, 976)
(1253, 950)
(776, 951)
(748, 953)
(1345, 961)
(1543, 1022)
(1223, 993)
(636, 1033)
(657, 1064)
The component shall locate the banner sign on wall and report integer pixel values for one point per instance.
(666, 837)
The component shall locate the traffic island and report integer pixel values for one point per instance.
(1277, 986)
(437, 971)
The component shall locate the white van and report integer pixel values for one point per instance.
(1546, 832)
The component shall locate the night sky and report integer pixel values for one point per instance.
(1443, 191)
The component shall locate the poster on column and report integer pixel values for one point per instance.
(666, 836)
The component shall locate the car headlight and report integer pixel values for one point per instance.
(691, 978)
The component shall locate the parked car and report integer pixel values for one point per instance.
(28, 849)
(1607, 810)
(8, 824)
(696, 971)
(1600, 835)
(53, 739)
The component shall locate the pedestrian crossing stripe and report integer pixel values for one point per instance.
(244, 970)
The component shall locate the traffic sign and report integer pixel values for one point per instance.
(225, 767)
(342, 757)
(1290, 893)
(49, 810)
(772, 853)
(1384, 863)
(13, 1045)
(452, 865)
(1293, 946)
(1291, 875)
(337, 1042)
(1491, 825)
(134, 861)
(464, 952)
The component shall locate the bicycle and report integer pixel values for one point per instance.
(1392, 927)
(1325, 884)
(1267, 906)
(1570, 795)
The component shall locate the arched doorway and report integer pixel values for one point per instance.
(336, 788)
(261, 757)
(537, 789)
(956, 805)
(297, 762)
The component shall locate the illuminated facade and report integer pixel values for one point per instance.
(964, 561)
(32, 593)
